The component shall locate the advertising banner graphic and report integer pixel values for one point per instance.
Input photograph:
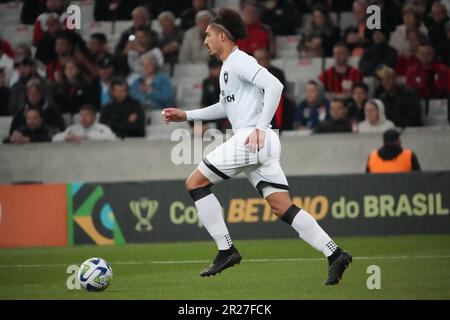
(344, 205)
(33, 215)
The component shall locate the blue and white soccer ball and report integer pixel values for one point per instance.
(95, 274)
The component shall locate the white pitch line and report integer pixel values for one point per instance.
(206, 261)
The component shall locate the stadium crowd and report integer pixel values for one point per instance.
(54, 87)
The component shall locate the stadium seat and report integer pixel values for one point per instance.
(10, 13)
(5, 123)
(286, 46)
(287, 42)
(234, 4)
(97, 26)
(189, 93)
(87, 11)
(436, 113)
(346, 20)
(197, 71)
(277, 63)
(302, 69)
(18, 34)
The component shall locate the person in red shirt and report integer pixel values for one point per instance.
(259, 36)
(428, 77)
(338, 79)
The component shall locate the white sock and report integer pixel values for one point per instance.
(210, 214)
(310, 231)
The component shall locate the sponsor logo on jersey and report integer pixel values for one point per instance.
(229, 98)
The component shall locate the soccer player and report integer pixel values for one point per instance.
(249, 97)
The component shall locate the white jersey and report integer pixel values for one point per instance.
(249, 94)
(242, 99)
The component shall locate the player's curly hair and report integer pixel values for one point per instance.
(230, 21)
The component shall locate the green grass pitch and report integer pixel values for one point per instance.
(412, 267)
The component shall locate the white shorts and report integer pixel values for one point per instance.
(262, 168)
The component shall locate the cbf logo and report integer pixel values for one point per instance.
(144, 210)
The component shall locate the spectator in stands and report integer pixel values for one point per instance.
(135, 49)
(402, 104)
(124, 115)
(338, 121)
(141, 20)
(436, 26)
(31, 9)
(379, 53)
(284, 114)
(55, 8)
(406, 60)
(391, 157)
(189, 16)
(100, 89)
(35, 98)
(412, 19)
(211, 93)
(259, 35)
(192, 48)
(339, 78)
(171, 37)
(87, 129)
(7, 64)
(281, 16)
(65, 50)
(98, 47)
(311, 47)
(357, 37)
(45, 49)
(443, 49)
(34, 129)
(153, 90)
(26, 70)
(375, 118)
(5, 93)
(322, 25)
(72, 91)
(390, 14)
(313, 109)
(21, 52)
(111, 10)
(355, 103)
(428, 77)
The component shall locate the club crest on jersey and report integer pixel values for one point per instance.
(225, 77)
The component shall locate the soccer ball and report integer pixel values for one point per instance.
(95, 274)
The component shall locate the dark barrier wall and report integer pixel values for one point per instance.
(345, 205)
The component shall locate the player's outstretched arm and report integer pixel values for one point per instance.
(173, 115)
(212, 112)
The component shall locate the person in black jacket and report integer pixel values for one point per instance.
(402, 104)
(33, 131)
(72, 91)
(35, 98)
(379, 53)
(123, 114)
(339, 121)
